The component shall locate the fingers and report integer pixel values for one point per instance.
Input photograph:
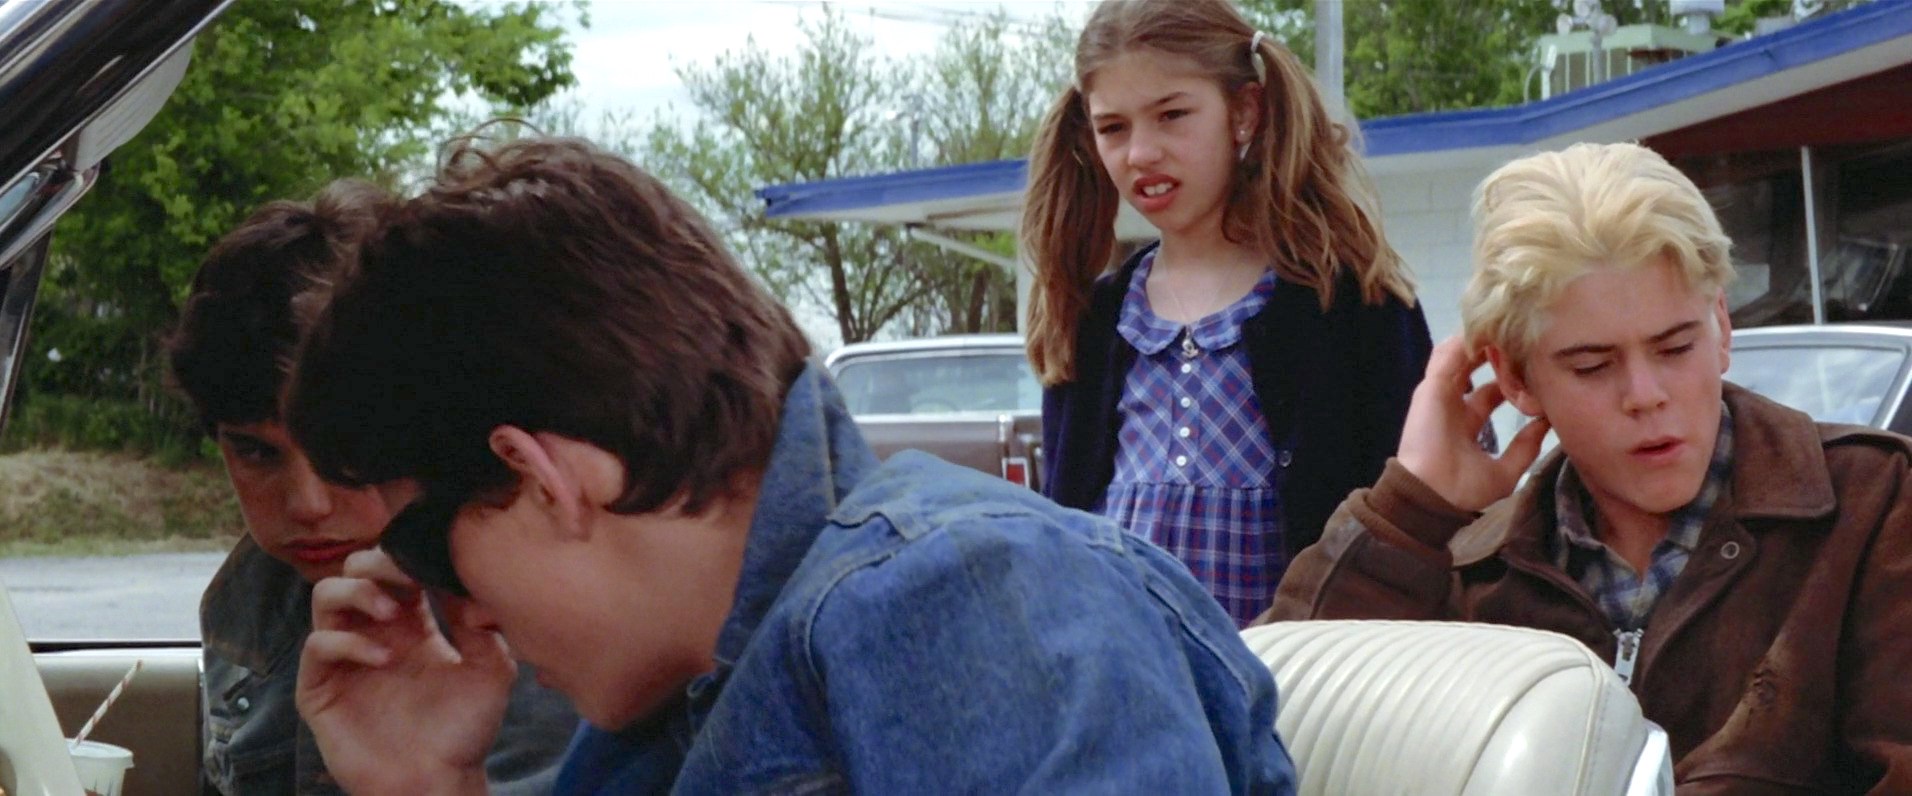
(343, 603)
(1451, 363)
(473, 637)
(1482, 401)
(325, 648)
(375, 565)
(1525, 447)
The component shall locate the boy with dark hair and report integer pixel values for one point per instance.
(629, 469)
(250, 302)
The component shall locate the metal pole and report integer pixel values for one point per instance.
(1328, 46)
(1812, 236)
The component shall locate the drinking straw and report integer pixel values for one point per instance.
(87, 728)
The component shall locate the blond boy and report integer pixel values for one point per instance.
(1749, 571)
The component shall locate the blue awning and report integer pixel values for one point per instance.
(987, 195)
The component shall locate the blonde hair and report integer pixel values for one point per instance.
(1302, 198)
(1543, 221)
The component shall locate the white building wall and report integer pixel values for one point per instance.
(1425, 217)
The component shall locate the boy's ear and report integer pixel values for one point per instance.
(1513, 385)
(542, 476)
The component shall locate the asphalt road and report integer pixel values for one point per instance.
(147, 597)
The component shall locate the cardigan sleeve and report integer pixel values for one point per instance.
(1393, 345)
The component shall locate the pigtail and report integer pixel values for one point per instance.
(1068, 233)
(1304, 196)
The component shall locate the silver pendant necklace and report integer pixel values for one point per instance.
(1189, 349)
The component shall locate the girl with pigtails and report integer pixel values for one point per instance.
(1224, 388)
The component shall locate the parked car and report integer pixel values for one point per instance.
(1837, 373)
(970, 399)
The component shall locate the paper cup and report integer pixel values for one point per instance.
(101, 766)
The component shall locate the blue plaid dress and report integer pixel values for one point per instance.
(1195, 472)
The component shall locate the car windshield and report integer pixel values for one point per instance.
(1832, 383)
(923, 384)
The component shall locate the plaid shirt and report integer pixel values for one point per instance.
(1625, 596)
(1194, 468)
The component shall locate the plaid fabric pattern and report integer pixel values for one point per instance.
(1626, 596)
(1194, 469)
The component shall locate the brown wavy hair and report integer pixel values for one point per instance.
(1301, 197)
(548, 284)
(257, 293)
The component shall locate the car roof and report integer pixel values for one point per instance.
(1897, 330)
(945, 343)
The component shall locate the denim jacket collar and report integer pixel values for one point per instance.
(819, 456)
(256, 611)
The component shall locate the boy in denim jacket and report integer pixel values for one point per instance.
(618, 457)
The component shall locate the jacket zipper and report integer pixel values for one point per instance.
(1626, 654)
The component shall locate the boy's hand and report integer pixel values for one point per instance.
(396, 706)
(1439, 443)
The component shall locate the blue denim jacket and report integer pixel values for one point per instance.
(919, 627)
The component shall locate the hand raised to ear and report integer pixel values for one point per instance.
(377, 674)
(1440, 441)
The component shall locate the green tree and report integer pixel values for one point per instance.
(836, 108)
(1740, 17)
(281, 96)
(979, 97)
(1420, 56)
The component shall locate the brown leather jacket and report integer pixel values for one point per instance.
(1779, 662)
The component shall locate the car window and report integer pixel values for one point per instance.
(933, 384)
(1832, 383)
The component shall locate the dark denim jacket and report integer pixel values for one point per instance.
(1333, 385)
(919, 627)
(254, 618)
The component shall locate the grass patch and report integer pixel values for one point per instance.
(61, 502)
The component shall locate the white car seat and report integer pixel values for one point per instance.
(1378, 707)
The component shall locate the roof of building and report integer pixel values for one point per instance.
(1866, 40)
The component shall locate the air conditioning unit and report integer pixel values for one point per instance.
(1569, 61)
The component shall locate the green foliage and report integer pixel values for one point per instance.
(1740, 17)
(837, 108)
(75, 422)
(1420, 56)
(281, 97)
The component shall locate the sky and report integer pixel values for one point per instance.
(625, 60)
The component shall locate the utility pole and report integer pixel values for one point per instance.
(1328, 59)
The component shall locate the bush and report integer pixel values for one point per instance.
(103, 424)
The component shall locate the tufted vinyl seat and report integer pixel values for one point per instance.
(1378, 707)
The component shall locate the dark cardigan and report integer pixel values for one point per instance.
(1333, 386)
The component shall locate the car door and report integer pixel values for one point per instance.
(79, 78)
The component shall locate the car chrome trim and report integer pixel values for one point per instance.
(1653, 774)
(961, 343)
